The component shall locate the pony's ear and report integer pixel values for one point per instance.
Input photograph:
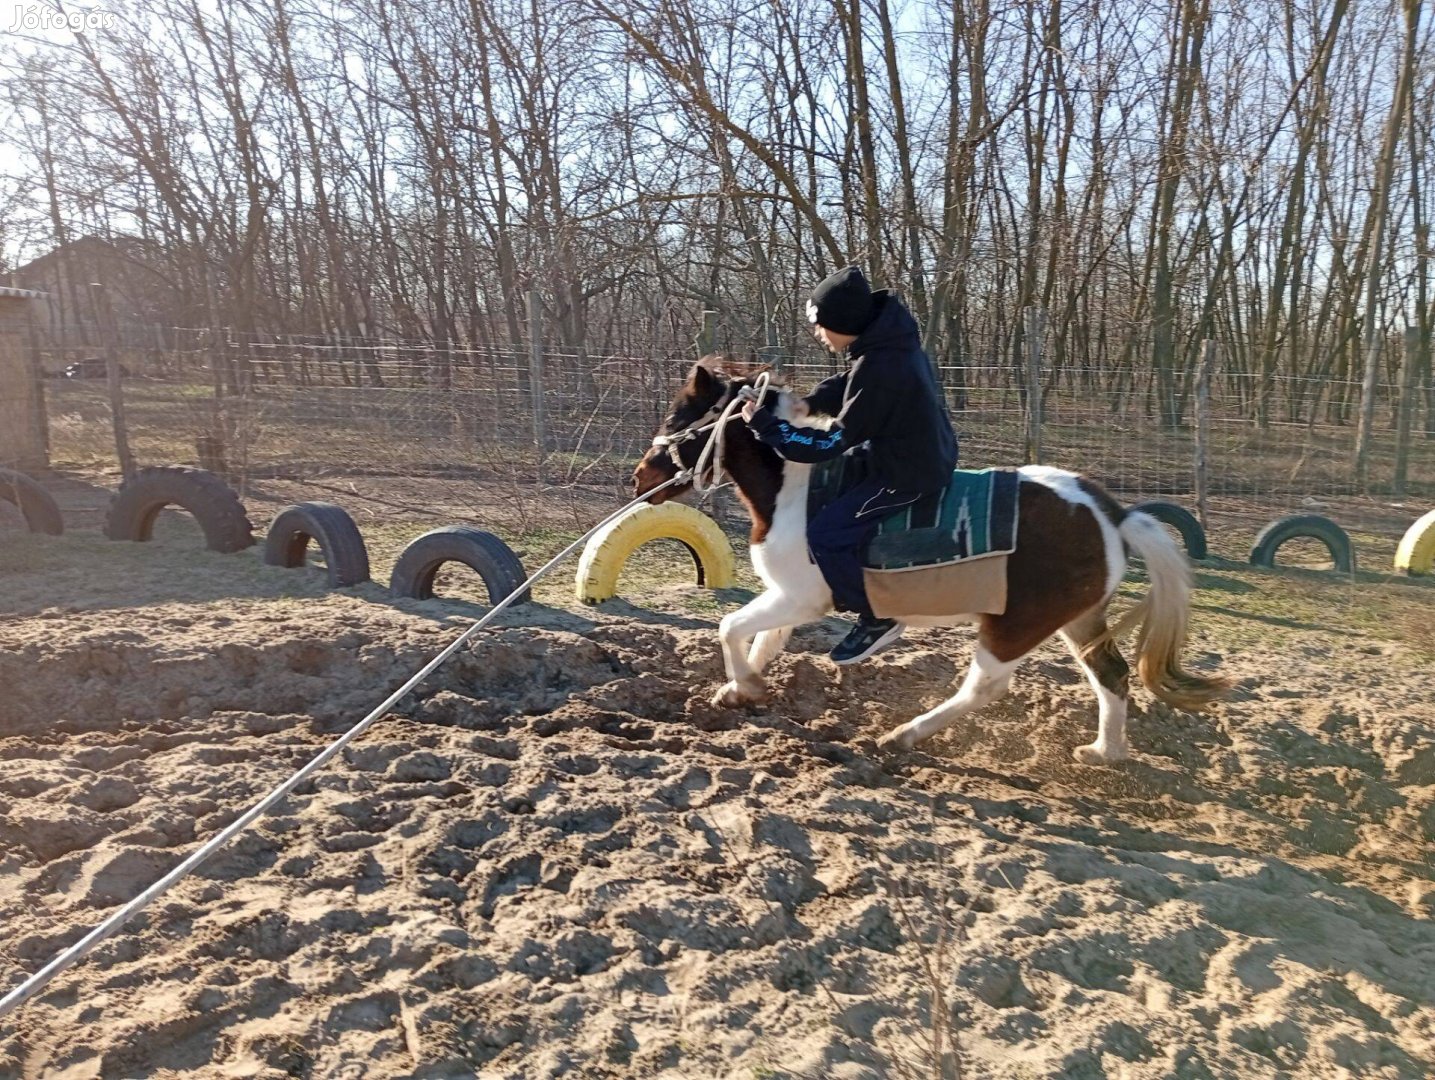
(703, 378)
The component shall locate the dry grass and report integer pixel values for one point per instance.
(402, 429)
(401, 468)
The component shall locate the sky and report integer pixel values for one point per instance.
(35, 26)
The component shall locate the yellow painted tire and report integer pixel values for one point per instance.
(607, 551)
(1416, 553)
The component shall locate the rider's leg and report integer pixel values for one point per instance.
(838, 536)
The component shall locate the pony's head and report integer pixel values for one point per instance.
(709, 389)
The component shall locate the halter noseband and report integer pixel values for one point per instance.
(670, 443)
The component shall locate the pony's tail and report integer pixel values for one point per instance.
(1162, 613)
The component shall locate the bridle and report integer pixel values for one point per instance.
(707, 473)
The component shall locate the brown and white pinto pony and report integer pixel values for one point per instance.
(1072, 541)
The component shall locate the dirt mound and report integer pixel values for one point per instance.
(558, 860)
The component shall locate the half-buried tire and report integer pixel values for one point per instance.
(488, 556)
(210, 501)
(1416, 553)
(607, 550)
(36, 505)
(1310, 526)
(329, 526)
(1180, 519)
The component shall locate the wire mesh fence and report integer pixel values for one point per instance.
(313, 407)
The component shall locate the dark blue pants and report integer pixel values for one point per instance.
(838, 535)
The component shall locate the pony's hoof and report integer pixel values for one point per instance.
(901, 738)
(732, 696)
(1095, 754)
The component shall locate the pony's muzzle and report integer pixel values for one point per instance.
(654, 469)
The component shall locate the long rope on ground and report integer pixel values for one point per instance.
(82, 948)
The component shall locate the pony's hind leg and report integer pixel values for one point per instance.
(1107, 671)
(987, 679)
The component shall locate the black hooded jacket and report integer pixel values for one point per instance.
(887, 398)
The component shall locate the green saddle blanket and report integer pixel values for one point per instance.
(974, 515)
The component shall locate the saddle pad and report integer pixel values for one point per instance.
(968, 587)
(975, 516)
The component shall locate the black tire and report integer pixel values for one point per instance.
(1180, 519)
(36, 505)
(209, 499)
(493, 560)
(1335, 539)
(329, 526)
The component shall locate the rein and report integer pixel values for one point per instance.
(708, 471)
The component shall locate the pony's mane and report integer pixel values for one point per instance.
(734, 370)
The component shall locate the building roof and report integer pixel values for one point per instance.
(21, 294)
(127, 248)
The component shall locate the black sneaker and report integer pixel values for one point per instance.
(867, 637)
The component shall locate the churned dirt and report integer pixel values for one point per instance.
(557, 859)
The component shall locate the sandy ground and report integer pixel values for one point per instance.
(559, 860)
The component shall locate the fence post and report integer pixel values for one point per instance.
(157, 365)
(105, 315)
(1405, 408)
(41, 417)
(707, 336)
(535, 377)
(1203, 428)
(1035, 320)
(1365, 418)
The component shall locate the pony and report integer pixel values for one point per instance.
(1073, 542)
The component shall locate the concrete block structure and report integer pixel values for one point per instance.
(24, 437)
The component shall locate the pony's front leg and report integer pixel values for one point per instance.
(766, 646)
(766, 615)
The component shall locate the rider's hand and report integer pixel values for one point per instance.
(749, 410)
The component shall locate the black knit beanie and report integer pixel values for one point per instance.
(842, 303)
